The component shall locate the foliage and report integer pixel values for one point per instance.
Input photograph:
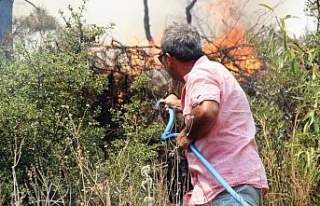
(37, 21)
(53, 149)
(39, 97)
(36, 31)
(287, 115)
(49, 134)
(136, 148)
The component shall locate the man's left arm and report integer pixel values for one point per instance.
(201, 119)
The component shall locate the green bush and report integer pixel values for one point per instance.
(137, 147)
(45, 110)
(287, 114)
(50, 138)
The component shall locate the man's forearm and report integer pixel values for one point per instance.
(201, 119)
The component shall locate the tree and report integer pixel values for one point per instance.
(188, 11)
(146, 22)
(6, 26)
(34, 30)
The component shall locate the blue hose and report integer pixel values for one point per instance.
(166, 135)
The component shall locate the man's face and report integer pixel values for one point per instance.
(162, 57)
(167, 61)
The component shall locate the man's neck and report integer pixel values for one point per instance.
(186, 67)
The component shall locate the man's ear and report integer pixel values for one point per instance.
(170, 60)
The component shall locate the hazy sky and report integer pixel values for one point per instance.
(128, 14)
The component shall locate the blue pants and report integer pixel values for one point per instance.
(249, 194)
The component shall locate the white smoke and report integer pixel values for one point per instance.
(128, 14)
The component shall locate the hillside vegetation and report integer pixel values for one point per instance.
(71, 137)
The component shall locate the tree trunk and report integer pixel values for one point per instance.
(146, 22)
(188, 11)
(6, 27)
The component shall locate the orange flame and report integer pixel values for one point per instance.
(230, 47)
(234, 53)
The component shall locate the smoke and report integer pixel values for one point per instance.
(216, 17)
(212, 16)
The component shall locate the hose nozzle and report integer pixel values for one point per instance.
(157, 105)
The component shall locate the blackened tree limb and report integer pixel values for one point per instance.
(32, 4)
(146, 21)
(188, 11)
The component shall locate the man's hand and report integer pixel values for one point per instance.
(183, 141)
(173, 101)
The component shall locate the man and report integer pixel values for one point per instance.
(218, 121)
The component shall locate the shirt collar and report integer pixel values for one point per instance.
(199, 61)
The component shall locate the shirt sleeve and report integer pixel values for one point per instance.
(203, 84)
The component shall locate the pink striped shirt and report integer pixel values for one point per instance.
(229, 145)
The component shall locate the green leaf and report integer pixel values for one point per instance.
(266, 6)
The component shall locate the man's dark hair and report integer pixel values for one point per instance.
(182, 41)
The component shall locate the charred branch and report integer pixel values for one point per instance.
(146, 22)
(32, 4)
(188, 11)
(116, 57)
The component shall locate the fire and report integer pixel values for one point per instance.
(234, 53)
(231, 46)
